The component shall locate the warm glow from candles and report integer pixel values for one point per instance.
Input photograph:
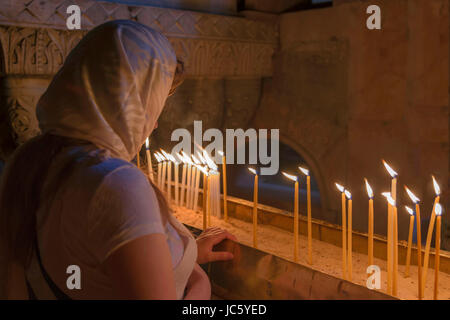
(436, 187)
(438, 209)
(340, 188)
(305, 171)
(369, 189)
(293, 178)
(412, 196)
(252, 170)
(220, 153)
(390, 170)
(157, 157)
(147, 143)
(409, 210)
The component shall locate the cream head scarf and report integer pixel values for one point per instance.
(111, 89)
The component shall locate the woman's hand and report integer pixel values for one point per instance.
(207, 240)
(198, 286)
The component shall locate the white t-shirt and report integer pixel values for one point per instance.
(98, 209)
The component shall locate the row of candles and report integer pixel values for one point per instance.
(186, 191)
(392, 235)
(193, 168)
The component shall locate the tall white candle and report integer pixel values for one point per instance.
(149, 159)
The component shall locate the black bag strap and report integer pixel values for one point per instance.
(59, 294)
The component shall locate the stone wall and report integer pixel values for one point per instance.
(219, 52)
(347, 97)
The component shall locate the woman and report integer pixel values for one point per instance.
(71, 197)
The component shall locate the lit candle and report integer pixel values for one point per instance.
(349, 235)
(159, 159)
(169, 176)
(205, 195)
(410, 235)
(194, 178)
(294, 178)
(392, 235)
(149, 159)
(208, 200)
(197, 185)
(344, 231)
(393, 205)
(213, 192)
(308, 188)
(438, 212)
(177, 178)
(163, 174)
(188, 180)
(255, 206)
(185, 159)
(370, 226)
(429, 235)
(224, 182)
(416, 201)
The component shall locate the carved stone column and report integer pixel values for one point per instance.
(18, 96)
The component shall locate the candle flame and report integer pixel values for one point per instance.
(147, 143)
(179, 158)
(252, 170)
(293, 178)
(209, 161)
(202, 159)
(340, 188)
(155, 154)
(220, 152)
(348, 194)
(436, 187)
(390, 170)
(410, 211)
(204, 170)
(186, 158)
(412, 196)
(389, 198)
(369, 189)
(171, 158)
(165, 154)
(163, 158)
(305, 171)
(195, 159)
(438, 209)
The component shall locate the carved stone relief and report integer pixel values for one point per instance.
(34, 42)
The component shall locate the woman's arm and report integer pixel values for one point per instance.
(142, 269)
(198, 286)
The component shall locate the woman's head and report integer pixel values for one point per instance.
(111, 88)
(109, 94)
